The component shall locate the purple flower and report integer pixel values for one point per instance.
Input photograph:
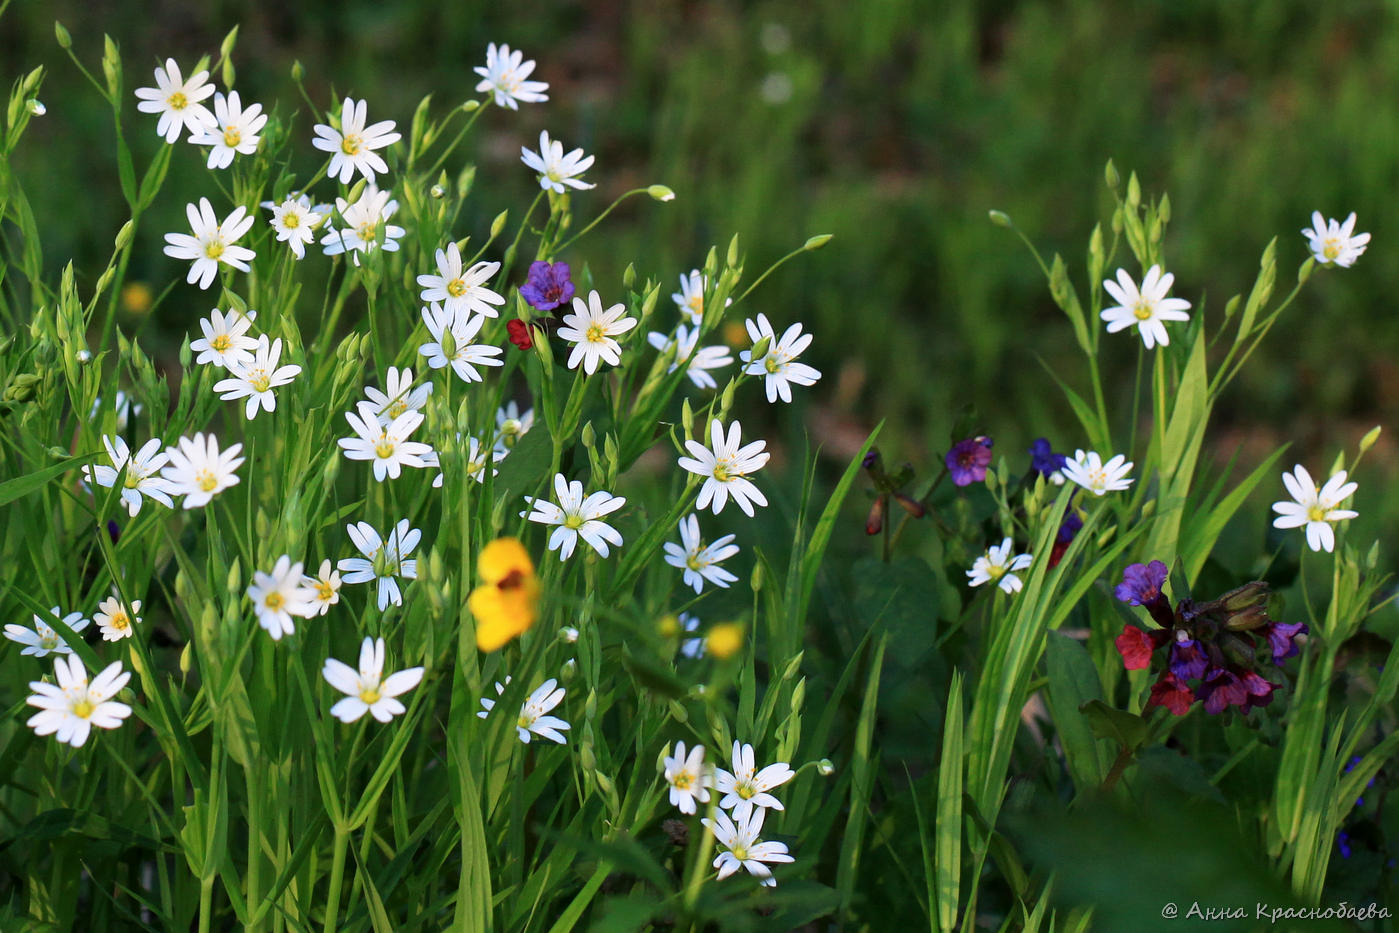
(1281, 638)
(1260, 691)
(1188, 661)
(1223, 689)
(1343, 844)
(968, 460)
(1043, 459)
(548, 286)
(1360, 801)
(1141, 583)
(1073, 524)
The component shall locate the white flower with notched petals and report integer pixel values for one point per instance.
(361, 233)
(225, 339)
(451, 343)
(387, 445)
(295, 221)
(383, 560)
(210, 243)
(1089, 471)
(199, 471)
(398, 396)
(504, 75)
(590, 329)
(256, 380)
(368, 690)
(1332, 242)
(778, 366)
(478, 456)
(557, 172)
(726, 468)
(42, 640)
(177, 101)
(698, 561)
(233, 131)
(532, 719)
(577, 517)
(321, 591)
(113, 620)
(745, 850)
(697, 364)
(690, 298)
(510, 426)
(1314, 507)
(352, 146)
(277, 596)
(140, 480)
(689, 784)
(998, 566)
(70, 708)
(1146, 307)
(747, 787)
(461, 292)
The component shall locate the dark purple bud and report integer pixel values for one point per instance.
(113, 531)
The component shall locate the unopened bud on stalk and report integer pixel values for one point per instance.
(799, 695)
(498, 224)
(186, 657)
(330, 471)
(731, 257)
(356, 192)
(124, 235)
(999, 218)
(498, 517)
(1107, 536)
(229, 75)
(661, 193)
(84, 356)
(1305, 272)
(711, 263)
(65, 41)
(105, 279)
(825, 767)
(36, 107)
(687, 419)
(235, 576)
(1110, 175)
(1369, 439)
(588, 436)
(590, 707)
(226, 47)
(1134, 191)
(297, 72)
(586, 757)
(58, 453)
(437, 191)
(816, 242)
(1372, 558)
(465, 180)
(470, 105)
(726, 400)
(629, 276)
(569, 671)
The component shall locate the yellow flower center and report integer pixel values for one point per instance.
(525, 721)
(49, 642)
(739, 852)
(83, 708)
(370, 695)
(177, 101)
(324, 591)
(456, 288)
(260, 382)
(746, 791)
(573, 520)
(291, 220)
(694, 563)
(1332, 249)
(594, 334)
(696, 304)
(384, 448)
(772, 364)
(221, 343)
(1142, 310)
(274, 601)
(206, 480)
(133, 479)
(722, 470)
(1317, 514)
(682, 781)
(213, 249)
(232, 136)
(368, 232)
(995, 571)
(351, 145)
(119, 621)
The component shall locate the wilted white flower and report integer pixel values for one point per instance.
(352, 146)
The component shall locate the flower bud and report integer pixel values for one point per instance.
(1000, 218)
(629, 276)
(465, 180)
(124, 235)
(1110, 175)
(84, 356)
(36, 107)
(186, 656)
(568, 635)
(1134, 191)
(816, 242)
(1305, 272)
(586, 757)
(687, 419)
(235, 576)
(755, 580)
(731, 258)
(874, 522)
(65, 41)
(588, 436)
(356, 192)
(58, 453)
(661, 193)
(1369, 439)
(498, 224)
(569, 671)
(470, 105)
(297, 71)
(437, 191)
(226, 47)
(825, 767)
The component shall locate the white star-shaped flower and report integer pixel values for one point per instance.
(42, 640)
(387, 445)
(225, 339)
(368, 690)
(141, 479)
(1147, 308)
(591, 331)
(698, 561)
(745, 849)
(113, 620)
(747, 787)
(210, 242)
(361, 231)
(1332, 242)
(1089, 471)
(451, 343)
(577, 517)
(557, 172)
(233, 131)
(998, 566)
(461, 292)
(352, 146)
(478, 455)
(279, 595)
(504, 75)
(256, 380)
(726, 468)
(532, 718)
(398, 396)
(70, 708)
(383, 560)
(295, 221)
(690, 298)
(697, 364)
(1315, 507)
(323, 590)
(177, 101)
(778, 366)
(689, 784)
(199, 471)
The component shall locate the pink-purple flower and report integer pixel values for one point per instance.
(548, 285)
(968, 459)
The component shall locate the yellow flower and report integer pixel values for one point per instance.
(136, 297)
(506, 601)
(724, 640)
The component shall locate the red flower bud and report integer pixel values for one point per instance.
(520, 334)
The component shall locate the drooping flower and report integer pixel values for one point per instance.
(577, 517)
(690, 298)
(745, 850)
(1314, 507)
(70, 708)
(557, 172)
(968, 459)
(1188, 660)
(461, 292)
(510, 426)
(398, 397)
(747, 787)
(210, 242)
(368, 690)
(1089, 471)
(1332, 242)
(387, 445)
(533, 719)
(199, 471)
(505, 604)
(383, 560)
(591, 331)
(778, 366)
(113, 620)
(233, 130)
(279, 595)
(1146, 308)
(998, 566)
(504, 76)
(362, 221)
(451, 343)
(726, 467)
(689, 784)
(140, 480)
(256, 380)
(295, 221)
(1137, 646)
(697, 363)
(225, 341)
(352, 146)
(1282, 638)
(177, 101)
(42, 640)
(547, 286)
(700, 562)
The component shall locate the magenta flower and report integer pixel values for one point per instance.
(967, 460)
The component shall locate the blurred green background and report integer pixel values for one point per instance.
(894, 125)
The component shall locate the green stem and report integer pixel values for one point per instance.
(597, 220)
(461, 133)
(769, 271)
(254, 883)
(337, 877)
(206, 903)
